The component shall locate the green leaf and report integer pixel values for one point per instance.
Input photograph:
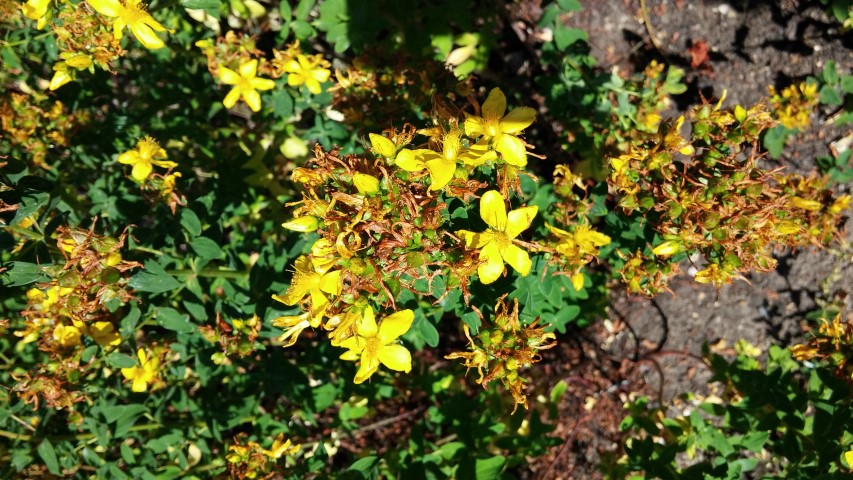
(282, 103)
(570, 5)
(153, 279)
(171, 319)
(30, 203)
(21, 273)
(830, 73)
(210, 6)
(364, 465)
(206, 248)
(775, 139)
(847, 84)
(489, 468)
(303, 9)
(190, 222)
(830, 96)
(120, 360)
(88, 353)
(428, 332)
(48, 455)
(565, 37)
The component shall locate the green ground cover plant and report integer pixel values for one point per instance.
(238, 237)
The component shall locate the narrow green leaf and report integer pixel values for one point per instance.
(48, 455)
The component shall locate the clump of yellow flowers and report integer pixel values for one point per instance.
(794, 105)
(234, 60)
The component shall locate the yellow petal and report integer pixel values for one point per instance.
(848, 457)
(141, 170)
(331, 282)
(60, 78)
(441, 172)
(577, 281)
(409, 160)
(517, 258)
(313, 86)
(228, 76)
(145, 34)
(109, 8)
(518, 119)
(366, 326)
(474, 126)
(249, 69)
(320, 74)
(262, 84)
(383, 146)
(253, 99)
(396, 357)
(492, 266)
(512, 150)
(395, 325)
(475, 239)
(369, 365)
(495, 104)
(519, 220)
(35, 9)
(493, 211)
(232, 97)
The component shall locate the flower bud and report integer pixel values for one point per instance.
(304, 224)
(365, 184)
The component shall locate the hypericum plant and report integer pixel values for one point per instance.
(776, 418)
(707, 197)
(384, 228)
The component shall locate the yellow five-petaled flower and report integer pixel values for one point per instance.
(146, 373)
(144, 158)
(131, 14)
(246, 85)
(307, 70)
(315, 280)
(374, 344)
(502, 129)
(496, 243)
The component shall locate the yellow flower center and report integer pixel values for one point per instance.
(493, 126)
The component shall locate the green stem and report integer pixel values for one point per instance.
(211, 273)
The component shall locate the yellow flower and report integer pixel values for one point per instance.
(246, 85)
(146, 373)
(502, 129)
(312, 281)
(582, 242)
(104, 334)
(308, 71)
(37, 10)
(61, 75)
(442, 165)
(374, 345)
(281, 447)
(803, 352)
(496, 243)
(144, 158)
(168, 186)
(67, 335)
(294, 325)
(132, 14)
(714, 274)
